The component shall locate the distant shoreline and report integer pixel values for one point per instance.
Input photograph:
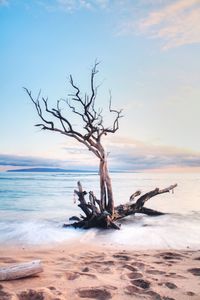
(56, 170)
(51, 170)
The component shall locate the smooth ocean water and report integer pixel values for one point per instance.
(33, 207)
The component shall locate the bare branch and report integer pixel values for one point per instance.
(39, 110)
(134, 195)
(93, 89)
(84, 108)
(77, 91)
(118, 116)
(140, 202)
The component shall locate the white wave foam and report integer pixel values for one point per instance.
(172, 232)
(139, 232)
(35, 233)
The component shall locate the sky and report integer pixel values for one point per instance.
(149, 58)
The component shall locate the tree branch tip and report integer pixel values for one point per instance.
(27, 91)
(96, 63)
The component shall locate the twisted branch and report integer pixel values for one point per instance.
(84, 108)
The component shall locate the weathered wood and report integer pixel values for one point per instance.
(128, 209)
(140, 202)
(134, 195)
(20, 270)
(102, 212)
(151, 212)
(81, 197)
(106, 193)
(92, 130)
(95, 201)
(99, 217)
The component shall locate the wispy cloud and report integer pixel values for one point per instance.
(175, 24)
(26, 161)
(77, 159)
(72, 5)
(125, 154)
(75, 5)
(135, 155)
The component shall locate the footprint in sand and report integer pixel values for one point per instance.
(170, 256)
(155, 272)
(86, 269)
(174, 275)
(190, 293)
(197, 258)
(154, 295)
(100, 257)
(138, 265)
(122, 257)
(40, 294)
(72, 275)
(134, 275)
(171, 285)
(75, 275)
(51, 288)
(143, 284)
(129, 267)
(31, 295)
(94, 293)
(101, 266)
(4, 295)
(195, 271)
(106, 262)
(135, 291)
(158, 262)
(8, 260)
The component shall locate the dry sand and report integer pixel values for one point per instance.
(82, 271)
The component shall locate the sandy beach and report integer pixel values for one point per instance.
(88, 271)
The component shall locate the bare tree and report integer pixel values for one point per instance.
(100, 212)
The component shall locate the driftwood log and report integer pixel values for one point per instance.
(97, 216)
(20, 270)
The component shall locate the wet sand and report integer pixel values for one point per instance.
(88, 271)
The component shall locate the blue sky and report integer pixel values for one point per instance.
(149, 53)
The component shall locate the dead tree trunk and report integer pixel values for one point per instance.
(90, 134)
(106, 192)
(97, 216)
(97, 212)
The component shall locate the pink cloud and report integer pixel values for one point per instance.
(177, 24)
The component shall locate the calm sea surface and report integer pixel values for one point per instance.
(33, 207)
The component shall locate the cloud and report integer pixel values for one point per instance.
(71, 6)
(127, 154)
(124, 154)
(77, 159)
(26, 161)
(176, 23)
(74, 5)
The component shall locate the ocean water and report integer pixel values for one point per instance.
(33, 207)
